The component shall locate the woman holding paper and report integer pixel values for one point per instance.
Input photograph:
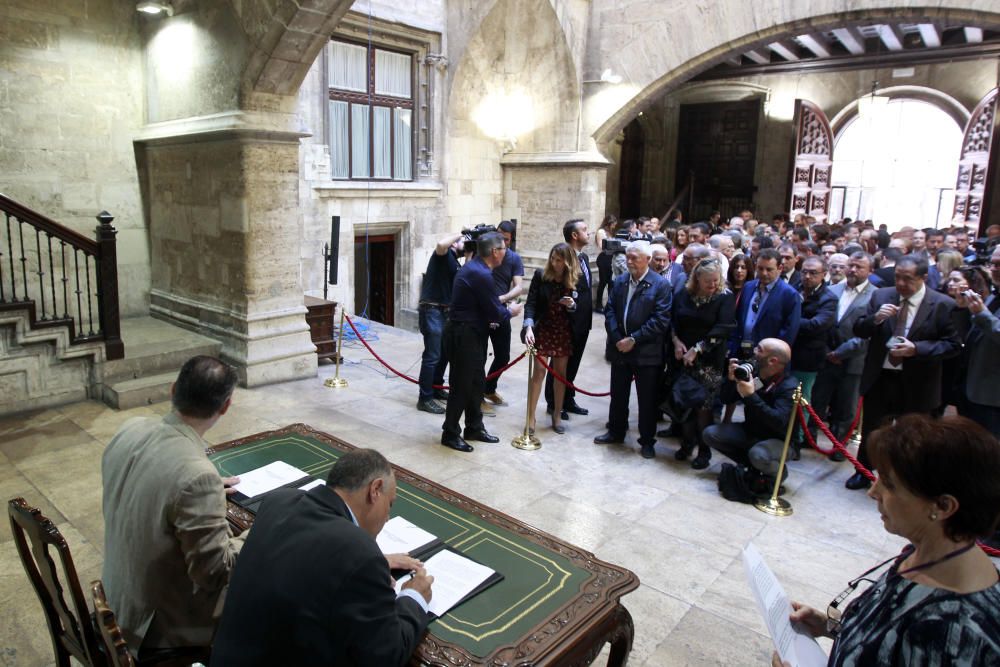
(936, 604)
(547, 327)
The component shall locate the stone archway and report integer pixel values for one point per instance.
(653, 71)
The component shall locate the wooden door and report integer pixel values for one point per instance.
(812, 162)
(717, 145)
(630, 173)
(375, 277)
(979, 149)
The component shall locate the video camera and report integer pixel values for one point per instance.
(471, 235)
(618, 244)
(984, 248)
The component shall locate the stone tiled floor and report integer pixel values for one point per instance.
(657, 517)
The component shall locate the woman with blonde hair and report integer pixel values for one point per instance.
(703, 316)
(551, 297)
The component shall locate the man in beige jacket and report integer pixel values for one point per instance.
(168, 548)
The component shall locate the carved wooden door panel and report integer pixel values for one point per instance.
(812, 162)
(971, 196)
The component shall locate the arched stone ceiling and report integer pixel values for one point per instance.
(696, 42)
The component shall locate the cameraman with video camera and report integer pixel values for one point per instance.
(767, 392)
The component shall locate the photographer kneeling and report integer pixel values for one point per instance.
(767, 395)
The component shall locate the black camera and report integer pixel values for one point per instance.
(617, 245)
(473, 233)
(984, 248)
(745, 371)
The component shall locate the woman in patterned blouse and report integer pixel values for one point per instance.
(938, 603)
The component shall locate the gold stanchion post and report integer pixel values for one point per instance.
(775, 505)
(337, 382)
(528, 441)
(855, 438)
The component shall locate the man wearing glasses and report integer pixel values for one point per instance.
(475, 310)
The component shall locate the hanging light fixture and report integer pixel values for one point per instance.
(154, 8)
(872, 105)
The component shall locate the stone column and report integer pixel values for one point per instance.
(222, 201)
(544, 190)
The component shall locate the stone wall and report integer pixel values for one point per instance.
(70, 101)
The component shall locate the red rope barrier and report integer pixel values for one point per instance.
(566, 382)
(836, 444)
(407, 377)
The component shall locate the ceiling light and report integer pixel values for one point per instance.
(154, 8)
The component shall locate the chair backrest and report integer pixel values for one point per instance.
(70, 626)
(115, 648)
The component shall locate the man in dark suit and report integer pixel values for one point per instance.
(577, 235)
(789, 266)
(910, 331)
(770, 308)
(837, 384)
(819, 313)
(637, 319)
(312, 587)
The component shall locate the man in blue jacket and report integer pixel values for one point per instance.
(637, 319)
(770, 308)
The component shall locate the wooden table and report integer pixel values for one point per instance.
(565, 619)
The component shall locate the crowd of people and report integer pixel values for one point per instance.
(700, 319)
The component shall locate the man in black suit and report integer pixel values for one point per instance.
(576, 234)
(311, 586)
(637, 319)
(910, 331)
(789, 263)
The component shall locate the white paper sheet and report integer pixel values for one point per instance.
(312, 485)
(796, 647)
(399, 536)
(455, 576)
(268, 478)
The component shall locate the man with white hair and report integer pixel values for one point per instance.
(637, 319)
(724, 249)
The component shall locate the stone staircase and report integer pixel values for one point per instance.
(41, 368)
(154, 353)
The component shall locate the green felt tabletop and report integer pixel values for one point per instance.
(537, 581)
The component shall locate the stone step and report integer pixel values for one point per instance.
(145, 390)
(153, 347)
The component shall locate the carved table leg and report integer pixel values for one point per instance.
(621, 639)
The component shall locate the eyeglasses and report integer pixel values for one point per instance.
(834, 613)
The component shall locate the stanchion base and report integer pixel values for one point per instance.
(775, 506)
(526, 442)
(335, 383)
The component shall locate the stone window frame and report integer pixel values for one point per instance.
(424, 47)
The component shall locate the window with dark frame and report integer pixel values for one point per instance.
(371, 112)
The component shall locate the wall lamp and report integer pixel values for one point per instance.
(154, 8)
(607, 76)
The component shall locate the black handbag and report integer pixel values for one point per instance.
(687, 393)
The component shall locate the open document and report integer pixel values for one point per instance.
(455, 579)
(796, 647)
(399, 536)
(270, 477)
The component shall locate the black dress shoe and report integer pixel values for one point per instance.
(701, 461)
(562, 415)
(609, 439)
(480, 436)
(647, 451)
(684, 452)
(576, 409)
(430, 406)
(838, 456)
(456, 443)
(857, 481)
(559, 428)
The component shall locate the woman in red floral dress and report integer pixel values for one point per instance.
(551, 297)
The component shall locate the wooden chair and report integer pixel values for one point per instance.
(70, 625)
(115, 648)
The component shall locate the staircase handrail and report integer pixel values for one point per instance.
(48, 225)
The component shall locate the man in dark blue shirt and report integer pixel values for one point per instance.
(507, 278)
(475, 309)
(435, 295)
